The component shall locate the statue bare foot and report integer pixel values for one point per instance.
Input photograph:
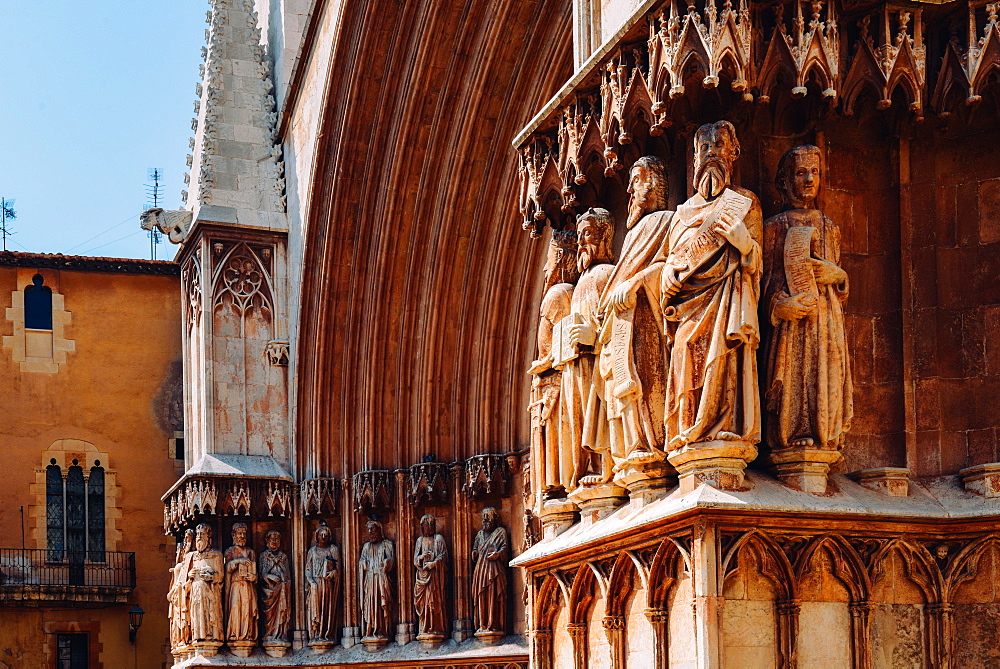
(728, 436)
(640, 457)
(802, 442)
(593, 479)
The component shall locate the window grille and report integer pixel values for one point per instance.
(74, 508)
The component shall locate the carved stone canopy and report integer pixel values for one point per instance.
(228, 485)
(428, 483)
(319, 496)
(486, 475)
(372, 490)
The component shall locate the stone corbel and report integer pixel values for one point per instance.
(428, 483)
(486, 475)
(276, 352)
(372, 490)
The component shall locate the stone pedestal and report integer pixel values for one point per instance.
(276, 648)
(645, 481)
(373, 643)
(490, 637)
(717, 463)
(323, 646)
(597, 501)
(205, 648)
(461, 630)
(430, 640)
(982, 479)
(241, 648)
(556, 516)
(805, 469)
(893, 481)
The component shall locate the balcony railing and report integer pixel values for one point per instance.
(52, 575)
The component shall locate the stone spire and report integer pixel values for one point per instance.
(237, 167)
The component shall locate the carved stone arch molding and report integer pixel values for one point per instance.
(551, 596)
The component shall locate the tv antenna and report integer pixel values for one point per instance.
(7, 214)
(154, 194)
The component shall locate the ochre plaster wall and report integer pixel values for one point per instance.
(110, 393)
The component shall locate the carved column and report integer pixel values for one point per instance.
(578, 632)
(861, 634)
(541, 649)
(941, 629)
(707, 595)
(349, 555)
(299, 546)
(405, 627)
(614, 627)
(461, 546)
(660, 619)
(788, 626)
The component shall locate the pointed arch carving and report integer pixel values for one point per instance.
(965, 565)
(583, 593)
(671, 558)
(550, 597)
(626, 571)
(918, 566)
(847, 565)
(242, 283)
(772, 562)
(191, 286)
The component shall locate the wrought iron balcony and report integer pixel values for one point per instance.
(32, 577)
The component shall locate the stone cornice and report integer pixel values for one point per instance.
(89, 263)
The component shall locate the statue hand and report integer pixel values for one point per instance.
(827, 273)
(623, 297)
(670, 282)
(539, 366)
(735, 232)
(583, 333)
(794, 308)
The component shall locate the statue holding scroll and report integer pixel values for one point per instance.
(551, 472)
(180, 626)
(378, 560)
(205, 575)
(634, 349)
(584, 434)
(275, 574)
(241, 594)
(710, 287)
(808, 393)
(322, 572)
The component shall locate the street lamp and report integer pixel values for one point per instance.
(134, 621)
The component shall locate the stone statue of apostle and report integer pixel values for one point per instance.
(241, 594)
(430, 558)
(205, 575)
(322, 572)
(489, 578)
(378, 560)
(275, 575)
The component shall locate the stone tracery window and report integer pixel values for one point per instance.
(74, 512)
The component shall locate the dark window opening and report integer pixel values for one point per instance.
(38, 305)
(179, 448)
(95, 514)
(73, 651)
(54, 508)
(74, 509)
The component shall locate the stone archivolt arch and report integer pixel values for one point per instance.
(848, 567)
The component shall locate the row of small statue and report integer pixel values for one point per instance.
(653, 356)
(231, 597)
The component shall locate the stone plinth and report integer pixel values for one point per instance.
(645, 481)
(276, 648)
(597, 501)
(716, 463)
(982, 479)
(805, 469)
(893, 481)
(205, 648)
(374, 643)
(490, 637)
(556, 516)
(430, 640)
(241, 648)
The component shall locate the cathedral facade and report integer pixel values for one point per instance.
(590, 334)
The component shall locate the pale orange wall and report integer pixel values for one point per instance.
(126, 329)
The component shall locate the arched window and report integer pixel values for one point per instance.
(75, 512)
(38, 305)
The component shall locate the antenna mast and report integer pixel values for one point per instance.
(7, 213)
(154, 193)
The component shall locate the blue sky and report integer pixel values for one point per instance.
(93, 95)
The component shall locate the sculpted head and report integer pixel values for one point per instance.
(716, 148)
(490, 519)
(560, 264)
(428, 524)
(375, 531)
(595, 230)
(647, 188)
(273, 540)
(323, 536)
(188, 543)
(203, 537)
(239, 534)
(798, 178)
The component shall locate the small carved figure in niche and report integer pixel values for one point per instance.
(584, 435)
(809, 392)
(275, 575)
(322, 587)
(710, 288)
(634, 345)
(241, 595)
(378, 560)
(552, 473)
(430, 557)
(530, 530)
(489, 578)
(205, 575)
(177, 604)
